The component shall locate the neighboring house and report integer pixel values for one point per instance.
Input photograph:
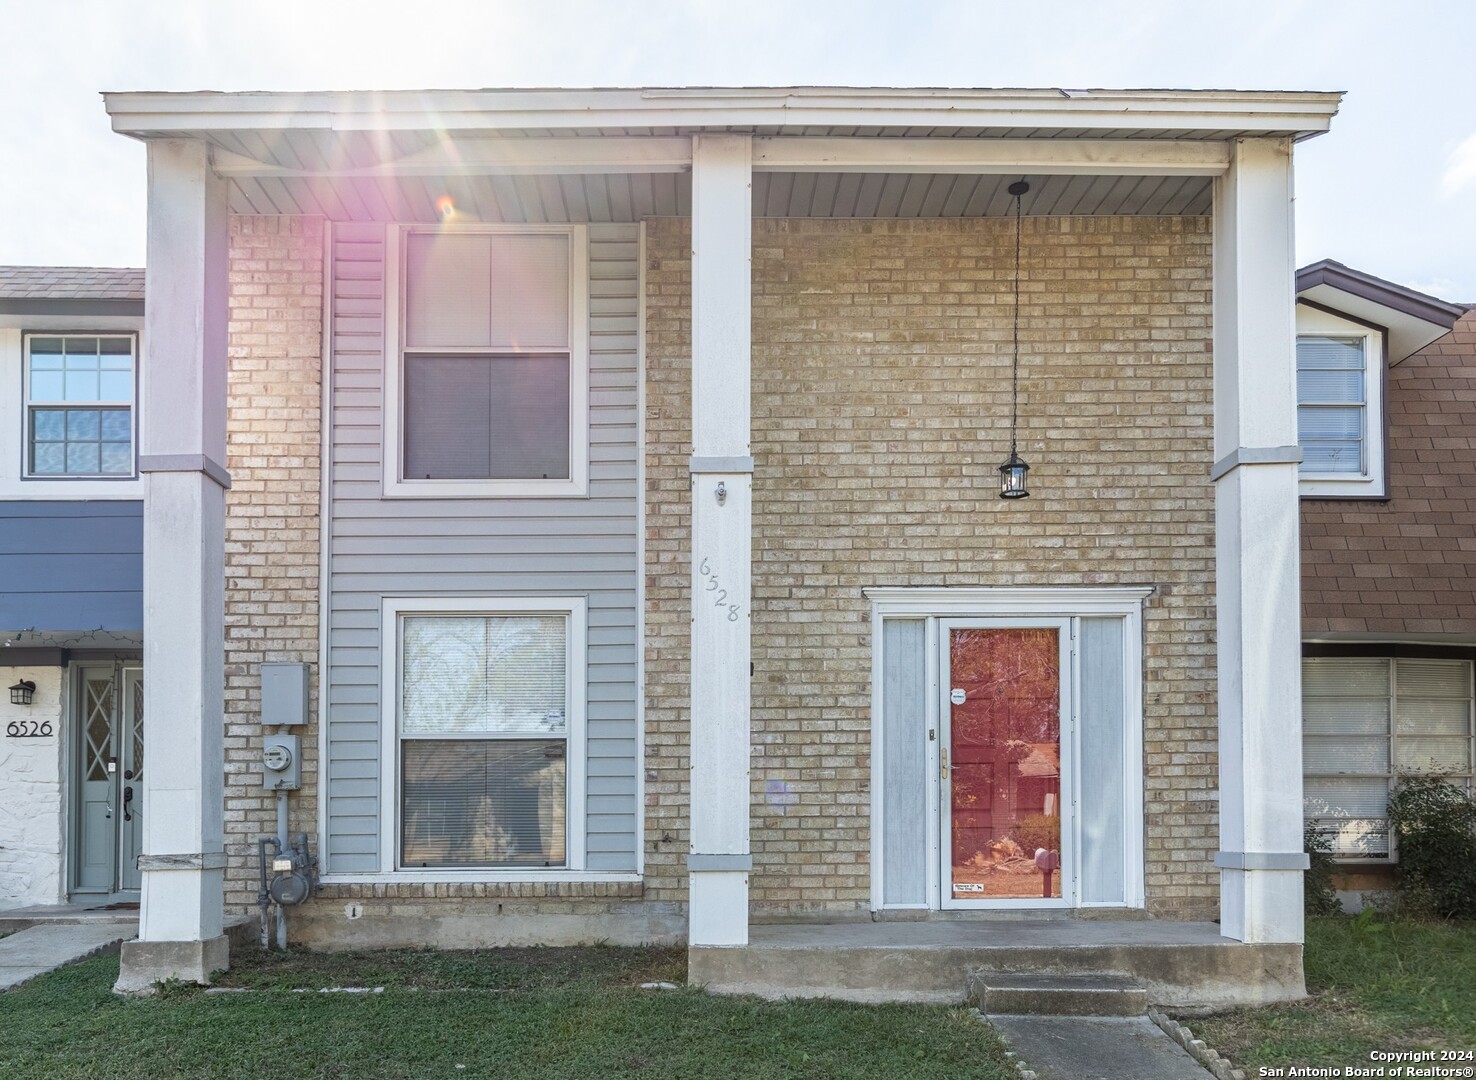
(1387, 395)
(71, 592)
(625, 466)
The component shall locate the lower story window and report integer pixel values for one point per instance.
(488, 721)
(1366, 722)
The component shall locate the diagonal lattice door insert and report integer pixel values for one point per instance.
(97, 730)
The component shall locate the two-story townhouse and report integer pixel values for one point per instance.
(626, 465)
(1386, 380)
(71, 593)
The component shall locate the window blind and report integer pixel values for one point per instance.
(483, 675)
(1331, 404)
(1367, 721)
(483, 803)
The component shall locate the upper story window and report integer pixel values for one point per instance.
(492, 385)
(79, 406)
(1340, 422)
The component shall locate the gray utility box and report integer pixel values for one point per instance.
(281, 762)
(284, 695)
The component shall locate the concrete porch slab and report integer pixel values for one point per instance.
(1178, 963)
(96, 912)
(39, 949)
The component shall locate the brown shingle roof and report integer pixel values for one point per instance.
(71, 283)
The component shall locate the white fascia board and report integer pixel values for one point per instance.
(481, 155)
(1294, 112)
(1058, 157)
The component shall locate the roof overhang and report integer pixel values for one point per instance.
(1213, 114)
(557, 155)
(1413, 319)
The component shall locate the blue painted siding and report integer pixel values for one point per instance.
(71, 566)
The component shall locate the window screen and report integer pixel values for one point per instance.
(1366, 722)
(481, 417)
(484, 727)
(79, 406)
(487, 357)
(1332, 405)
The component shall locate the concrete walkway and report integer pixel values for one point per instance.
(39, 949)
(1097, 1048)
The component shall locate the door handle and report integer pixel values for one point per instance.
(127, 800)
(943, 763)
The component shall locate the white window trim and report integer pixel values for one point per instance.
(1372, 483)
(393, 610)
(937, 604)
(394, 484)
(1391, 778)
(75, 485)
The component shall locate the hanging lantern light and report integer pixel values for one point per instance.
(22, 692)
(1013, 473)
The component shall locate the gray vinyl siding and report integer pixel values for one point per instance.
(71, 566)
(480, 547)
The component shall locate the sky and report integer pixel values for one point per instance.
(1391, 190)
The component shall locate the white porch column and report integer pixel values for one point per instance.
(182, 418)
(722, 545)
(1257, 576)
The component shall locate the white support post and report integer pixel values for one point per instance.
(182, 421)
(722, 547)
(1257, 575)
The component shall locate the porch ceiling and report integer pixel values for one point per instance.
(607, 197)
(624, 154)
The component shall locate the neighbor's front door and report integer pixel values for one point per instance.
(1005, 826)
(107, 828)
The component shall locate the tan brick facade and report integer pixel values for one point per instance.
(880, 413)
(272, 523)
(1406, 565)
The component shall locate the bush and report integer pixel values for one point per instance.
(1038, 831)
(1318, 895)
(1434, 824)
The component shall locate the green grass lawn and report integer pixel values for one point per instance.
(518, 1013)
(1375, 985)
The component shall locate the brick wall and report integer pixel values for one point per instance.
(1407, 565)
(880, 414)
(271, 554)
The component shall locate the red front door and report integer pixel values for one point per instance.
(1002, 775)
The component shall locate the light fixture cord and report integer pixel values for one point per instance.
(1015, 366)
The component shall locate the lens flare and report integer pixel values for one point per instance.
(446, 208)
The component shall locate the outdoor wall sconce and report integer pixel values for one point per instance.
(22, 692)
(1013, 472)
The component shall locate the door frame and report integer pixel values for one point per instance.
(1066, 675)
(935, 605)
(76, 745)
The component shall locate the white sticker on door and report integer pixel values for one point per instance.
(957, 696)
(967, 886)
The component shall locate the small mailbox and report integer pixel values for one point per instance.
(284, 695)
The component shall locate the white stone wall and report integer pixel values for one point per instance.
(32, 822)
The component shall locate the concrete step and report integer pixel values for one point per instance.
(1025, 994)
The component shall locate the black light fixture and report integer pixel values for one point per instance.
(1013, 472)
(22, 692)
